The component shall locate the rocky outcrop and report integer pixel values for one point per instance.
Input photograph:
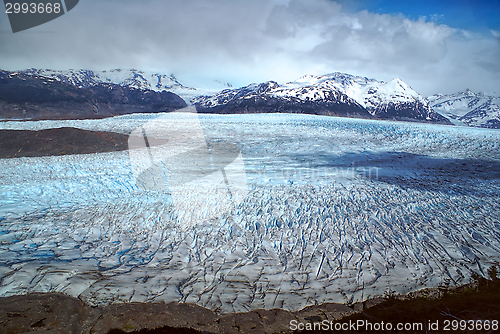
(34, 97)
(336, 94)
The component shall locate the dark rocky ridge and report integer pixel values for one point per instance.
(410, 112)
(260, 100)
(327, 96)
(58, 313)
(27, 95)
(34, 97)
(59, 141)
(259, 104)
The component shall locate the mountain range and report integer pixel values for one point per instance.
(133, 79)
(38, 94)
(337, 94)
(469, 108)
(31, 96)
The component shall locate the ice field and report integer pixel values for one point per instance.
(326, 210)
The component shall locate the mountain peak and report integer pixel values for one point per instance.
(399, 82)
(468, 92)
(130, 78)
(327, 93)
(469, 108)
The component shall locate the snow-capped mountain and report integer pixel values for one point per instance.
(270, 97)
(336, 94)
(127, 78)
(133, 79)
(30, 96)
(469, 108)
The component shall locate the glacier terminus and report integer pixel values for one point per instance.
(331, 210)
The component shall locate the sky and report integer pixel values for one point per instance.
(439, 46)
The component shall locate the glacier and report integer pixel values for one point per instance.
(336, 210)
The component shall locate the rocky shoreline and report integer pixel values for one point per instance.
(59, 313)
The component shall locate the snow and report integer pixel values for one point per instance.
(358, 88)
(144, 80)
(467, 108)
(335, 210)
(369, 93)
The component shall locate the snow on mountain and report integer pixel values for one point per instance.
(390, 100)
(270, 97)
(127, 78)
(133, 79)
(332, 94)
(469, 108)
(31, 96)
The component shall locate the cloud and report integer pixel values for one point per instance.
(430, 57)
(251, 41)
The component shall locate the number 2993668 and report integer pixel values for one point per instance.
(38, 8)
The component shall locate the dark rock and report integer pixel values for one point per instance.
(410, 112)
(34, 97)
(58, 141)
(58, 313)
(261, 104)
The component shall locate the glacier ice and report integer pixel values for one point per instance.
(336, 210)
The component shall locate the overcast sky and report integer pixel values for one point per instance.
(434, 46)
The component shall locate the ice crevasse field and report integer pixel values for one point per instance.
(322, 209)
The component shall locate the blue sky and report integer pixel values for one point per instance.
(477, 15)
(433, 46)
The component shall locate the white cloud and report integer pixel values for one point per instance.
(250, 41)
